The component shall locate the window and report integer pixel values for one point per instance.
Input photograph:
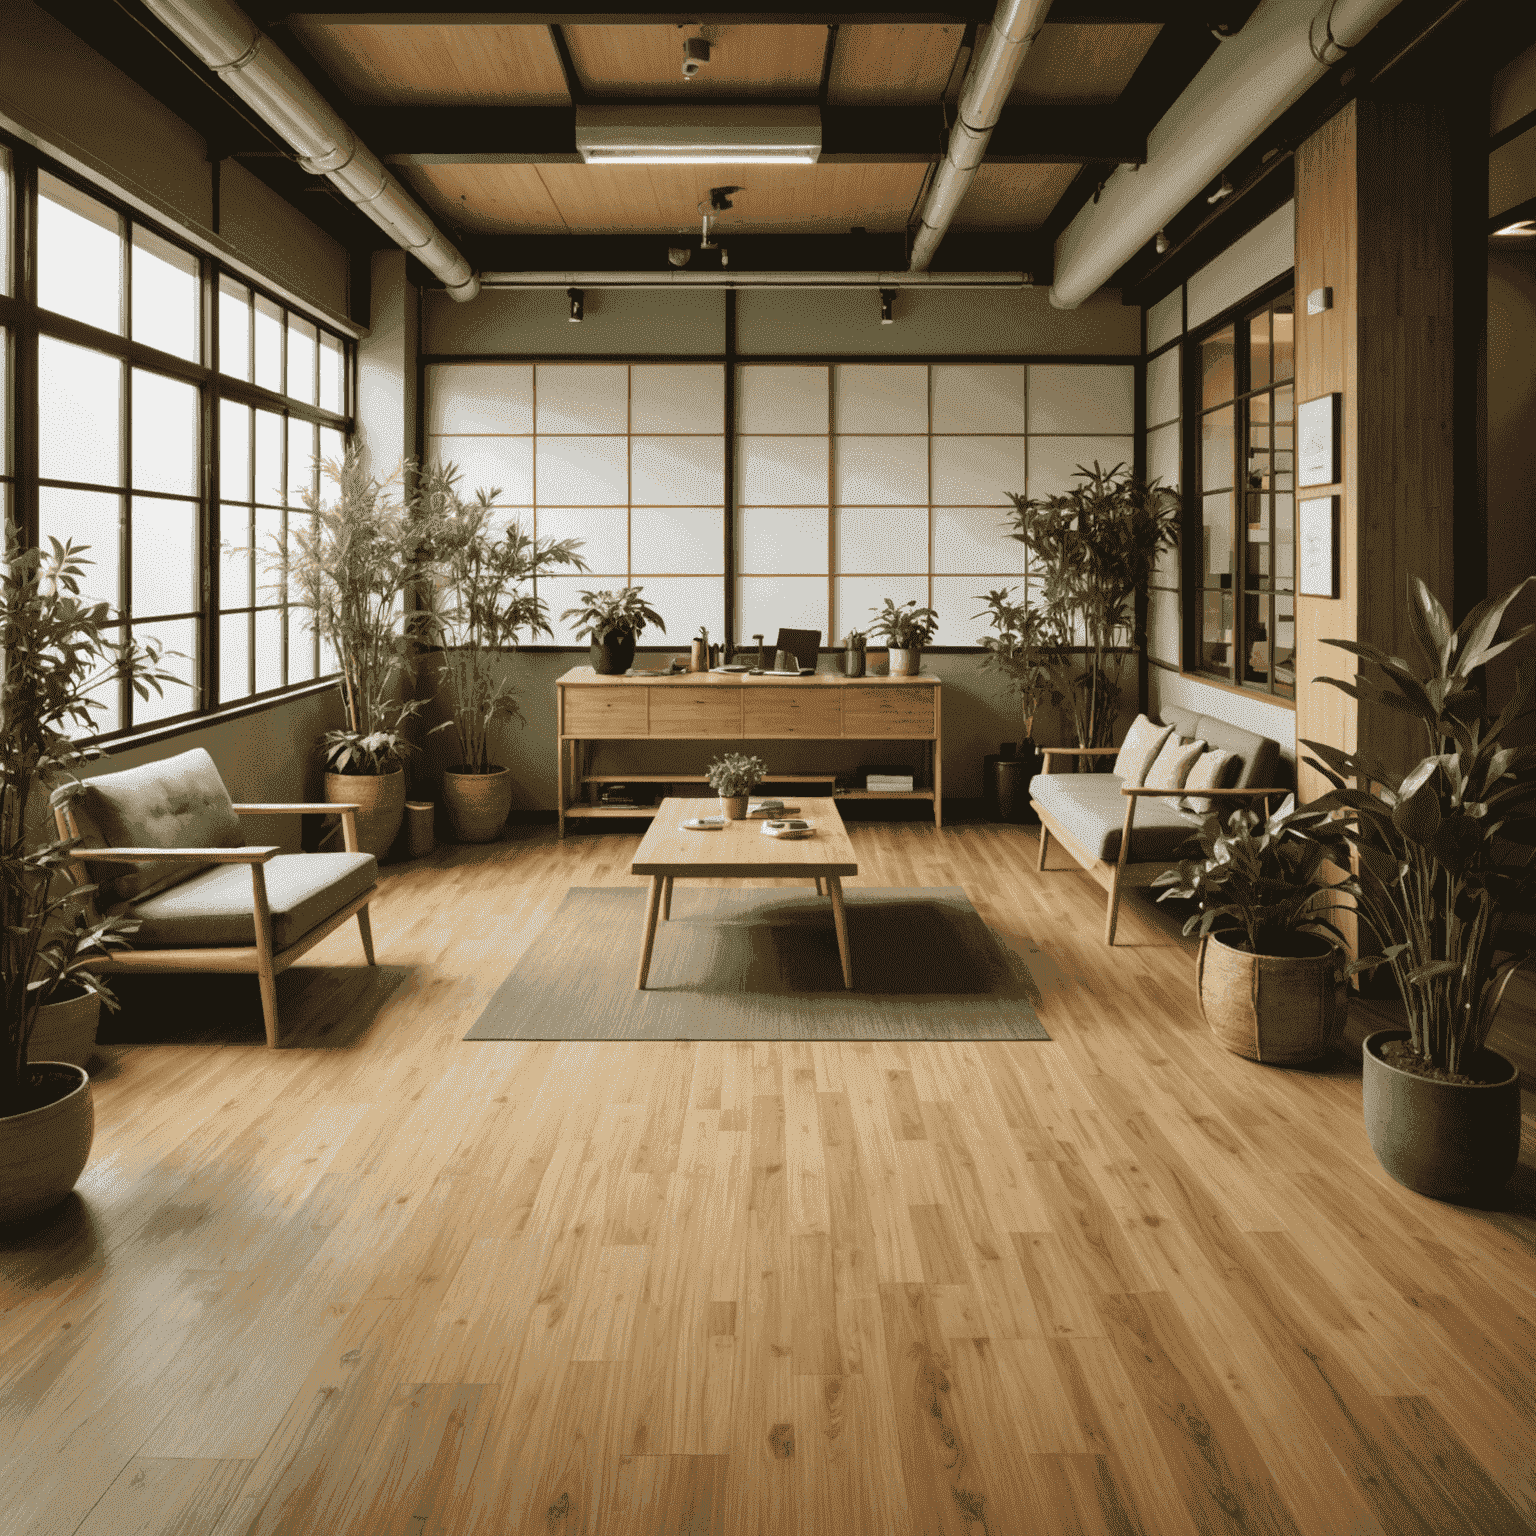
(1240, 526)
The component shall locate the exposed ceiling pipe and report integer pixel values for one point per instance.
(1285, 48)
(982, 98)
(263, 76)
(734, 279)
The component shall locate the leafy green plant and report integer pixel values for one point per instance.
(1091, 551)
(1021, 650)
(904, 626)
(736, 774)
(58, 664)
(478, 602)
(1443, 852)
(605, 615)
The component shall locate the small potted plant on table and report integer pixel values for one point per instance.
(614, 621)
(854, 643)
(906, 628)
(734, 777)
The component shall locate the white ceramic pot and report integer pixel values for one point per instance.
(906, 663)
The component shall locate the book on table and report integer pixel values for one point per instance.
(887, 778)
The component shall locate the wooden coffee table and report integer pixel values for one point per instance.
(742, 851)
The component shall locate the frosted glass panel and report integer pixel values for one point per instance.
(179, 637)
(576, 398)
(881, 539)
(165, 573)
(269, 649)
(560, 593)
(302, 363)
(681, 397)
(1163, 455)
(685, 602)
(1083, 397)
(855, 596)
(79, 424)
(79, 255)
(677, 471)
(164, 434)
(767, 604)
(975, 539)
(504, 463)
(1165, 319)
(978, 397)
(269, 346)
(1165, 568)
(91, 518)
(770, 539)
(332, 368)
(1163, 388)
(781, 471)
(677, 540)
(301, 646)
(234, 451)
(977, 471)
(1163, 626)
(957, 602)
(774, 399)
(166, 295)
(604, 532)
(1053, 461)
(884, 471)
(302, 467)
(234, 657)
(269, 456)
(480, 397)
(234, 329)
(880, 397)
(234, 557)
(582, 471)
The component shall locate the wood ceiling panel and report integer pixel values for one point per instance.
(1082, 65)
(440, 66)
(1014, 197)
(488, 199)
(896, 66)
(745, 61)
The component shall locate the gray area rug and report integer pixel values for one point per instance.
(762, 965)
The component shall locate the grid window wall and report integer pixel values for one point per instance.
(1164, 648)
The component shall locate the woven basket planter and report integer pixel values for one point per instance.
(1279, 1009)
(381, 797)
(478, 803)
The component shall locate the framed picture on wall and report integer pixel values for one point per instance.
(1317, 441)
(1317, 535)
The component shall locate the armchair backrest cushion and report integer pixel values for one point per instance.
(180, 802)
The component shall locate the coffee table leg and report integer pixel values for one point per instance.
(818, 885)
(666, 900)
(652, 907)
(840, 921)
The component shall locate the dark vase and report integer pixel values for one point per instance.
(853, 661)
(1013, 776)
(614, 655)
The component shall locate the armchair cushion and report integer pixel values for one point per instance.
(179, 802)
(1091, 810)
(213, 909)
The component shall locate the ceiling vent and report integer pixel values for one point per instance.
(698, 135)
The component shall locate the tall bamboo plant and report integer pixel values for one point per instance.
(479, 603)
(1091, 551)
(58, 665)
(1021, 650)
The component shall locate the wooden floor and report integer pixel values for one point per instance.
(385, 1281)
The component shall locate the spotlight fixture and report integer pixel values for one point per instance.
(679, 255)
(1224, 190)
(713, 135)
(1160, 243)
(887, 303)
(695, 53)
(577, 300)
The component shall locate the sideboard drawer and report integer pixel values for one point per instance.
(599, 712)
(898, 711)
(774, 710)
(695, 712)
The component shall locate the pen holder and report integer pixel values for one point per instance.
(700, 660)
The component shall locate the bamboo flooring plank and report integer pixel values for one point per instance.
(152, 1495)
(847, 1475)
(676, 1494)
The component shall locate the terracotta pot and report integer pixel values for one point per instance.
(1280, 1009)
(477, 803)
(419, 818)
(1451, 1141)
(66, 1030)
(906, 663)
(614, 655)
(382, 798)
(43, 1151)
(734, 807)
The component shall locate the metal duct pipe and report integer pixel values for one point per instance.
(263, 76)
(988, 81)
(1286, 47)
(756, 279)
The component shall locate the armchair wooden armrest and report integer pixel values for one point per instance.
(1078, 751)
(1218, 794)
(178, 855)
(347, 810)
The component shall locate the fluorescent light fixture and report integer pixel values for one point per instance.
(1524, 227)
(735, 135)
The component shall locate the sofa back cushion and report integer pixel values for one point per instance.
(1185, 722)
(1139, 750)
(180, 802)
(1260, 757)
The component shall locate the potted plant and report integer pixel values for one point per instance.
(478, 605)
(854, 643)
(1091, 551)
(614, 621)
(734, 777)
(351, 564)
(57, 661)
(906, 628)
(1442, 862)
(1271, 970)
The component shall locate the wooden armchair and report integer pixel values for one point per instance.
(196, 914)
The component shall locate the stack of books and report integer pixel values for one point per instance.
(889, 781)
(770, 807)
(624, 795)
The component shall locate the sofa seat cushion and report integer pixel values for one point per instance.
(213, 909)
(1091, 810)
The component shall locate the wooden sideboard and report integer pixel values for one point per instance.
(717, 706)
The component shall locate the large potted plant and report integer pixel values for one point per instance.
(1442, 863)
(614, 622)
(351, 563)
(57, 663)
(1091, 551)
(479, 605)
(906, 629)
(1272, 969)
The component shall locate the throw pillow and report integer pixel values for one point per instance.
(1138, 751)
(1173, 763)
(1211, 772)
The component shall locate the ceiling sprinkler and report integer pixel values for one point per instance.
(695, 55)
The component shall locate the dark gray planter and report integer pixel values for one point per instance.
(1451, 1141)
(614, 655)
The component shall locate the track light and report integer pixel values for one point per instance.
(695, 53)
(1160, 244)
(1224, 190)
(887, 303)
(577, 300)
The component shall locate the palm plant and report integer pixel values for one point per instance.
(1091, 551)
(479, 603)
(1441, 853)
(1021, 651)
(57, 663)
